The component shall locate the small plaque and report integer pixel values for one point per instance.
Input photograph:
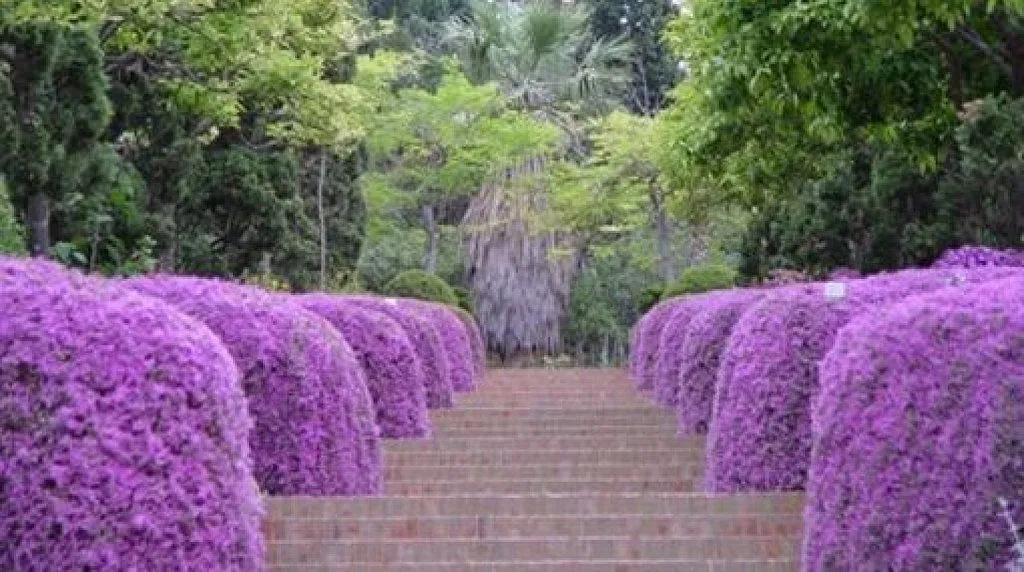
(835, 290)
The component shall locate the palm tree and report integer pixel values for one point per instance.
(545, 60)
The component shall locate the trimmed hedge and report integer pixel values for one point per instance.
(316, 431)
(477, 345)
(123, 433)
(427, 342)
(670, 345)
(421, 286)
(645, 351)
(919, 430)
(454, 339)
(760, 433)
(700, 355)
(979, 256)
(394, 374)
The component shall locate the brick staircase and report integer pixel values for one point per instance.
(541, 470)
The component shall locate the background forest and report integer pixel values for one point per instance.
(556, 167)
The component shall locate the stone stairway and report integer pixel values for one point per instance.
(541, 470)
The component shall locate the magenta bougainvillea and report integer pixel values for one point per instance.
(979, 256)
(315, 424)
(918, 432)
(648, 340)
(453, 338)
(673, 334)
(394, 374)
(699, 357)
(427, 342)
(123, 433)
(476, 342)
(760, 433)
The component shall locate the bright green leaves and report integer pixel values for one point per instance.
(447, 143)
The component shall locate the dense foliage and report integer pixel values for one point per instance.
(315, 423)
(919, 422)
(427, 342)
(421, 286)
(124, 442)
(701, 278)
(394, 373)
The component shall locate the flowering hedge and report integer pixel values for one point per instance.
(316, 430)
(919, 430)
(648, 341)
(453, 337)
(700, 354)
(427, 342)
(476, 342)
(979, 256)
(670, 345)
(123, 433)
(394, 374)
(760, 433)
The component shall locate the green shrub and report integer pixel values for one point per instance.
(423, 286)
(701, 278)
(12, 237)
(650, 296)
(464, 297)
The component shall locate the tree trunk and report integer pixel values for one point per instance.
(38, 212)
(433, 238)
(323, 221)
(663, 227)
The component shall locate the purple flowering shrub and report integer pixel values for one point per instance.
(979, 256)
(760, 433)
(394, 374)
(918, 434)
(123, 433)
(700, 354)
(648, 342)
(476, 342)
(427, 342)
(453, 338)
(315, 425)
(673, 333)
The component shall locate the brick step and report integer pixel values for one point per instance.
(470, 527)
(692, 504)
(381, 551)
(589, 565)
(512, 457)
(611, 410)
(500, 486)
(443, 424)
(641, 433)
(615, 442)
(564, 471)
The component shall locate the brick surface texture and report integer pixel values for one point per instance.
(541, 469)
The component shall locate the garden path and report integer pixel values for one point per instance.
(541, 469)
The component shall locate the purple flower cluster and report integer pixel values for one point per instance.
(315, 424)
(648, 342)
(476, 342)
(670, 344)
(918, 432)
(699, 357)
(979, 256)
(760, 433)
(427, 342)
(123, 433)
(394, 374)
(454, 338)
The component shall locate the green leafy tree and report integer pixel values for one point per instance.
(12, 236)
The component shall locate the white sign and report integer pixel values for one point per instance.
(835, 290)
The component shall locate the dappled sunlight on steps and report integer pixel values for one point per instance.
(541, 470)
